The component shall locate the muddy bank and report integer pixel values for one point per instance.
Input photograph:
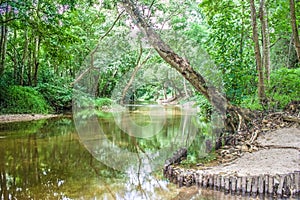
(24, 117)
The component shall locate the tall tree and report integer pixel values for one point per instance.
(259, 67)
(295, 28)
(182, 65)
(265, 39)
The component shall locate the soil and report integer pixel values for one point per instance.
(278, 153)
(24, 117)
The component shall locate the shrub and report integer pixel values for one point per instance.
(284, 87)
(58, 96)
(18, 99)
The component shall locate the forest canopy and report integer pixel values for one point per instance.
(44, 46)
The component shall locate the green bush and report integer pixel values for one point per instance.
(284, 87)
(58, 96)
(18, 99)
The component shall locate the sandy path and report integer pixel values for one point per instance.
(24, 117)
(279, 154)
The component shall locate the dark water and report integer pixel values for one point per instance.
(51, 159)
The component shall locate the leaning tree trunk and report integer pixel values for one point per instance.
(182, 65)
(295, 28)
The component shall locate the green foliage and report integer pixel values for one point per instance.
(58, 96)
(205, 107)
(18, 99)
(100, 102)
(284, 87)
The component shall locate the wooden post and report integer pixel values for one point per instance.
(233, 184)
(227, 184)
(280, 186)
(170, 173)
(218, 184)
(244, 184)
(288, 185)
(197, 180)
(215, 181)
(200, 179)
(211, 180)
(266, 177)
(222, 182)
(297, 181)
(239, 184)
(249, 182)
(271, 185)
(261, 184)
(180, 182)
(254, 185)
(205, 180)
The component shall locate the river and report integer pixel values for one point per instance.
(103, 157)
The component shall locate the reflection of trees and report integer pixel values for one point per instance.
(47, 163)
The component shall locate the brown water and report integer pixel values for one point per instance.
(49, 159)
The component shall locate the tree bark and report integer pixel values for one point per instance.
(295, 28)
(265, 39)
(3, 42)
(260, 71)
(36, 60)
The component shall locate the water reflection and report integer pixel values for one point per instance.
(142, 137)
(46, 160)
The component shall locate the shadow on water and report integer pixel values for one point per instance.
(45, 159)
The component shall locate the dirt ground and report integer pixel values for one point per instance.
(23, 117)
(278, 153)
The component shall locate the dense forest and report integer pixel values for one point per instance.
(252, 46)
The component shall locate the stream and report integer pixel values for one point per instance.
(64, 158)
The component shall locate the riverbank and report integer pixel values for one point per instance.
(8, 118)
(271, 165)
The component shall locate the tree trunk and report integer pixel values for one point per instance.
(3, 42)
(36, 60)
(234, 115)
(261, 84)
(295, 28)
(24, 56)
(265, 39)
